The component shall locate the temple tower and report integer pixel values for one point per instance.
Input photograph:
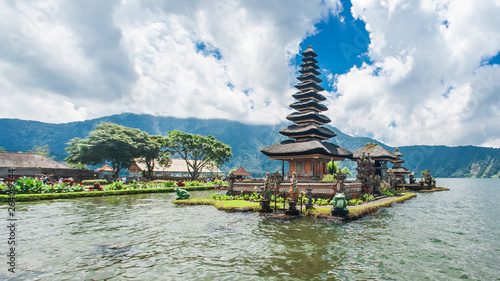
(307, 150)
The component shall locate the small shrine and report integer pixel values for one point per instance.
(241, 174)
(307, 150)
(379, 155)
(399, 171)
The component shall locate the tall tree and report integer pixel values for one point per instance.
(151, 150)
(109, 142)
(198, 151)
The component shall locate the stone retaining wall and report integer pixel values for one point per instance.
(319, 189)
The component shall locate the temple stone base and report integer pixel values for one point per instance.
(319, 189)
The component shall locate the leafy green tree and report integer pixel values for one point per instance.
(109, 142)
(151, 149)
(332, 167)
(2, 149)
(198, 151)
(77, 166)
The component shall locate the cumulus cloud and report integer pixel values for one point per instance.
(427, 82)
(206, 59)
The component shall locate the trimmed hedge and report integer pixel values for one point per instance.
(68, 195)
(91, 182)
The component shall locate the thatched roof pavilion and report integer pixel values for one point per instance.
(307, 150)
(399, 171)
(177, 167)
(241, 173)
(377, 153)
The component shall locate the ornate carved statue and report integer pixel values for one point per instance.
(267, 187)
(294, 190)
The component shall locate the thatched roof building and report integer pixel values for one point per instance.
(33, 164)
(105, 168)
(178, 167)
(307, 150)
(241, 173)
(375, 151)
(28, 160)
(399, 171)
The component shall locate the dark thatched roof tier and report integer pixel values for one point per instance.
(399, 170)
(309, 59)
(309, 65)
(398, 154)
(309, 70)
(398, 162)
(309, 95)
(297, 117)
(293, 148)
(375, 151)
(309, 52)
(310, 84)
(295, 131)
(307, 77)
(309, 104)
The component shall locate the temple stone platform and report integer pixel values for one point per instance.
(319, 189)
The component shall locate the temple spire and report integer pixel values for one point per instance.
(308, 120)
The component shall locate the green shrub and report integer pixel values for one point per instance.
(91, 182)
(328, 178)
(367, 197)
(355, 201)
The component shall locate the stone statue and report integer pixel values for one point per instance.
(182, 193)
(339, 205)
(266, 195)
(294, 190)
(267, 187)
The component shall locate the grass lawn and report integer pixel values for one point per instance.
(355, 212)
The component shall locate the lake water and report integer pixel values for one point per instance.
(450, 235)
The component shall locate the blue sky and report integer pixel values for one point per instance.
(402, 71)
(341, 43)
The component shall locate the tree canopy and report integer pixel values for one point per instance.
(198, 151)
(151, 149)
(111, 143)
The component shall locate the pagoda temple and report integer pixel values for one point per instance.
(399, 171)
(307, 150)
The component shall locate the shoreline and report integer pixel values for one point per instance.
(322, 212)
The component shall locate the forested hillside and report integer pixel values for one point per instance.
(246, 142)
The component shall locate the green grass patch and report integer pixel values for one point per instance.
(226, 205)
(68, 195)
(355, 212)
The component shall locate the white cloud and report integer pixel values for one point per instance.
(207, 59)
(427, 83)
(63, 61)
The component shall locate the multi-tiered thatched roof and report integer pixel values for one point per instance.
(307, 136)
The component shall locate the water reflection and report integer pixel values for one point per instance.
(440, 236)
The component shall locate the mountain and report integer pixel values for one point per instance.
(246, 142)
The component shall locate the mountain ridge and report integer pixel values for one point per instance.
(246, 142)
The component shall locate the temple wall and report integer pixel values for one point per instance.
(319, 189)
